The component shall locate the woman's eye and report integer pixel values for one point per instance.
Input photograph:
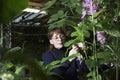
(56, 37)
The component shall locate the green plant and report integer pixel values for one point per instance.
(104, 16)
(69, 13)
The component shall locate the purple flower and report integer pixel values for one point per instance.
(92, 10)
(101, 37)
(83, 13)
(86, 3)
(88, 8)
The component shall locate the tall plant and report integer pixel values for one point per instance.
(97, 20)
(93, 22)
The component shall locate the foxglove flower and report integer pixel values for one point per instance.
(84, 12)
(101, 37)
(88, 8)
(92, 10)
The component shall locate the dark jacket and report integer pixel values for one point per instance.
(69, 70)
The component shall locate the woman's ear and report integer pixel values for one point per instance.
(51, 42)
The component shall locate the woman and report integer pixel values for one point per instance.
(71, 67)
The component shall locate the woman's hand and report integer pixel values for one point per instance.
(74, 50)
(81, 45)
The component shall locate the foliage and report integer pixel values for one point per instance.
(10, 8)
(15, 57)
(82, 29)
(105, 17)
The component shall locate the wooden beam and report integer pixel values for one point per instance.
(35, 4)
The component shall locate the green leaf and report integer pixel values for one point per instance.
(7, 65)
(52, 65)
(55, 62)
(70, 57)
(87, 34)
(93, 75)
(79, 9)
(64, 2)
(100, 1)
(60, 12)
(53, 18)
(57, 16)
(54, 74)
(68, 43)
(57, 24)
(80, 34)
(109, 47)
(96, 14)
(13, 50)
(90, 63)
(71, 23)
(73, 34)
(49, 4)
(104, 55)
(113, 32)
(19, 69)
(73, 1)
(10, 8)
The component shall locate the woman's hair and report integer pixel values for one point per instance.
(56, 31)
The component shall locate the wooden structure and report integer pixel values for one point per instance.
(29, 28)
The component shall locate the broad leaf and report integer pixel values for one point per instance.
(10, 8)
(48, 4)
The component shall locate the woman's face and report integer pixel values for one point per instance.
(57, 40)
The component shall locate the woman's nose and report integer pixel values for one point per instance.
(59, 38)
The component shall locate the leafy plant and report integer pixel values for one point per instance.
(85, 18)
(99, 16)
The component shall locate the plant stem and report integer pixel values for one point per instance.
(1, 34)
(94, 52)
(116, 65)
